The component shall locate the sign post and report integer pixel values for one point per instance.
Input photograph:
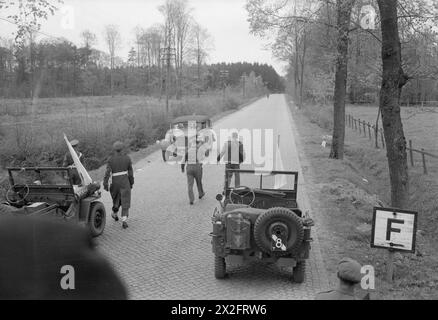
(394, 230)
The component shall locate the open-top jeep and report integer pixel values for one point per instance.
(261, 223)
(50, 191)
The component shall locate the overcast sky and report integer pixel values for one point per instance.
(226, 20)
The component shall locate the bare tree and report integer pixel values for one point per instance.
(201, 45)
(139, 33)
(178, 18)
(89, 39)
(113, 40)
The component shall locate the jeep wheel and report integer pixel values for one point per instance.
(283, 221)
(220, 268)
(97, 219)
(299, 272)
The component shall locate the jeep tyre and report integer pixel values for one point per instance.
(279, 215)
(299, 272)
(220, 268)
(97, 219)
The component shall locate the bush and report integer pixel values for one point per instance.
(320, 115)
(231, 103)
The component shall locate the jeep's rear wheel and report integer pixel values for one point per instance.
(220, 268)
(299, 272)
(97, 219)
(283, 221)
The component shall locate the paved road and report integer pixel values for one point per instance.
(166, 252)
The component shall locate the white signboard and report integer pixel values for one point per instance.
(394, 229)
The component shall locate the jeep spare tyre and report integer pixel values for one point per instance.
(279, 223)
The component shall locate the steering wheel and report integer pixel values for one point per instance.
(22, 190)
(241, 192)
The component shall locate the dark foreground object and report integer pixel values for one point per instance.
(35, 252)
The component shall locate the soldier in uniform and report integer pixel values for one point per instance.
(119, 167)
(68, 162)
(349, 275)
(193, 159)
(234, 155)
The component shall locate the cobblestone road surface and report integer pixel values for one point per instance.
(166, 252)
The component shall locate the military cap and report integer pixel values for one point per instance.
(349, 270)
(118, 146)
(74, 143)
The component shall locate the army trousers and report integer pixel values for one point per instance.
(194, 173)
(230, 175)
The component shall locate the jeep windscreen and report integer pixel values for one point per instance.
(266, 180)
(35, 177)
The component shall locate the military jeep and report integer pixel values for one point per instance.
(50, 191)
(261, 223)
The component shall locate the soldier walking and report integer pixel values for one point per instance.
(193, 160)
(68, 162)
(234, 154)
(119, 167)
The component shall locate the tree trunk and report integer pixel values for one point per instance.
(393, 80)
(344, 8)
(296, 69)
(303, 62)
(112, 77)
(199, 71)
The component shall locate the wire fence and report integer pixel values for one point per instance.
(370, 131)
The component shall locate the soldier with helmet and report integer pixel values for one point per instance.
(119, 168)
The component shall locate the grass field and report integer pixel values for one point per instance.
(420, 125)
(348, 190)
(31, 133)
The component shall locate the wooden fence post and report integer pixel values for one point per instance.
(376, 135)
(360, 126)
(411, 153)
(369, 130)
(383, 140)
(364, 130)
(424, 161)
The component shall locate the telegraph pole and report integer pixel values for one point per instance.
(243, 84)
(223, 76)
(166, 56)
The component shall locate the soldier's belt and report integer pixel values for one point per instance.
(118, 174)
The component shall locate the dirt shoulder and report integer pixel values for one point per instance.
(343, 195)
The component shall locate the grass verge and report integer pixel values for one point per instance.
(346, 192)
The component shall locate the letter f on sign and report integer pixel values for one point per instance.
(390, 229)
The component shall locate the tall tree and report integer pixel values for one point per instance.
(178, 19)
(89, 39)
(201, 44)
(113, 40)
(393, 80)
(343, 8)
